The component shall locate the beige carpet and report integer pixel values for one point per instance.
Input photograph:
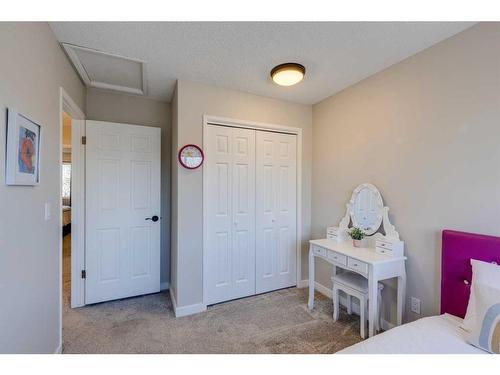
(277, 322)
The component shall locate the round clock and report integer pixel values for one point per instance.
(191, 156)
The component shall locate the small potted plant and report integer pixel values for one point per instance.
(357, 235)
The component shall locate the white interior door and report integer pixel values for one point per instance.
(229, 263)
(122, 197)
(276, 212)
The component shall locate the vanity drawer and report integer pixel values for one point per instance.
(383, 250)
(337, 258)
(384, 245)
(332, 233)
(357, 265)
(391, 248)
(319, 250)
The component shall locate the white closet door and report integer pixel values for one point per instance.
(230, 213)
(276, 207)
(122, 196)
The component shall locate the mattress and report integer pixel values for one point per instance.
(66, 213)
(439, 334)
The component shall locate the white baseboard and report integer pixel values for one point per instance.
(164, 285)
(190, 310)
(181, 311)
(172, 298)
(58, 349)
(303, 284)
(385, 325)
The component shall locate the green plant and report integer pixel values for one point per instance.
(357, 233)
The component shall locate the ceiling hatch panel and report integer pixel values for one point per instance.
(108, 71)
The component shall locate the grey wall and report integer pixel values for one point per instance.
(194, 101)
(32, 69)
(112, 107)
(426, 132)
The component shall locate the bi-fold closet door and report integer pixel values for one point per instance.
(250, 212)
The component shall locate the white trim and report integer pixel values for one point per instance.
(165, 285)
(235, 123)
(323, 289)
(58, 349)
(190, 310)
(327, 292)
(77, 213)
(172, 298)
(66, 103)
(303, 284)
(385, 325)
(186, 310)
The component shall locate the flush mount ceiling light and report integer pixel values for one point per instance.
(288, 74)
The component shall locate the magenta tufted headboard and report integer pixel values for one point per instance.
(457, 250)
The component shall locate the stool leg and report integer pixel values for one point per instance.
(349, 304)
(362, 322)
(335, 304)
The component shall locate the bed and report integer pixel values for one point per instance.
(440, 334)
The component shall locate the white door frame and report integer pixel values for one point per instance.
(68, 105)
(223, 121)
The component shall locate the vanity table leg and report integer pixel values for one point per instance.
(372, 302)
(401, 297)
(311, 278)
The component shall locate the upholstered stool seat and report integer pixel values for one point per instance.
(354, 285)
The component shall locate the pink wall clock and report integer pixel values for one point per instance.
(191, 156)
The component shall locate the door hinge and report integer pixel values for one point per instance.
(84, 140)
(84, 274)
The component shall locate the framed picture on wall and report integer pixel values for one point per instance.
(23, 150)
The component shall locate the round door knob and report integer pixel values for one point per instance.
(153, 218)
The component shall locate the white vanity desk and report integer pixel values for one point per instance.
(382, 257)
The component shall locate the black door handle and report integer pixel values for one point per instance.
(153, 218)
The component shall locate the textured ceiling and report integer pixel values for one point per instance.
(240, 55)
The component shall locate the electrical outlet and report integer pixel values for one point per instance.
(415, 305)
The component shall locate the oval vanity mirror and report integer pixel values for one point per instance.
(366, 208)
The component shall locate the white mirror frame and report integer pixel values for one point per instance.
(382, 217)
(378, 202)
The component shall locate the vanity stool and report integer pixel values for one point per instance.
(355, 285)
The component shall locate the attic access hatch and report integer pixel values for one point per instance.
(108, 71)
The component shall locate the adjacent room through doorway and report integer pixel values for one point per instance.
(66, 207)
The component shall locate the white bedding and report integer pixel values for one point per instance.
(433, 335)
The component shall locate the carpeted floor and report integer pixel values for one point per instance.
(277, 322)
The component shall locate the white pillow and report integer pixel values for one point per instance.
(482, 273)
(485, 333)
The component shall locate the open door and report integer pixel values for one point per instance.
(122, 211)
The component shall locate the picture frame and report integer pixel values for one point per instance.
(22, 159)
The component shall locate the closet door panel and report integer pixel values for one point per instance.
(243, 203)
(218, 259)
(230, 216)
(276, 171)
(286, 170)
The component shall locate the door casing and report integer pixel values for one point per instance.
(223, 121)
(68, 105)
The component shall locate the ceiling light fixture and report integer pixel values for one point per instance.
(288, 74)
